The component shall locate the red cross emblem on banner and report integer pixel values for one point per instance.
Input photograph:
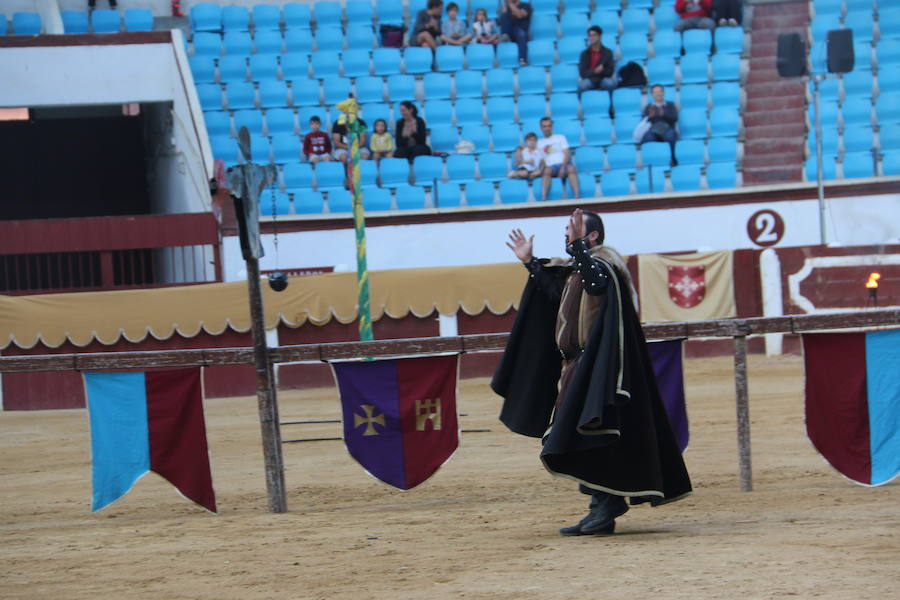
(687, 285)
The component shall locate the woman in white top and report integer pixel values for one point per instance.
(528, 160)
(483, 30)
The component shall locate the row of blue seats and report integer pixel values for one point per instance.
(859, 111)
(867, 25)
(854, 165)
(856, 138)
(843, 7)
(857, 84)
(79, 21)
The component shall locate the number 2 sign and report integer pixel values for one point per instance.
(765, 227)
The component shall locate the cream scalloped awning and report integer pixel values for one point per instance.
(80, 318)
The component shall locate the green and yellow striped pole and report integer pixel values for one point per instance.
(350, 109)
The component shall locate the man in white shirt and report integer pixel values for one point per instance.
(557, 159)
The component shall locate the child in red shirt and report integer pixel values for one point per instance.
(316, 144)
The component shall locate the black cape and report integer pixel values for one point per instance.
(611, 431)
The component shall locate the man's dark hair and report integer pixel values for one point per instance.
(435, 4)
(596, 28)
(453, 6)
(547, 119)
(315, 119)
(593, 222)
(530, 135)
(657, 85)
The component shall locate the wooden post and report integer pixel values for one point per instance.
(265, 395)
(743, 412)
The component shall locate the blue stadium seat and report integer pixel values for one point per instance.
(335, 89)
(240, 94)
(607, 18)
(237, 42)
(359, 12)
(401, 87)
(726, 67)
(105, 21)
(590, 160)
(729, 40)
(469, 84)
(859, 110)
(627, 101)
(446, 195)
(887, 107)
(260, 148)
(570, 128)
(295, 67)
(598, 130)
(448, 59)
(330, 175)
(696, 41)
(480, 56)
(650, 180)
(632, 46)
(595, 103)
(206, 17)
(461, 167)
(268, 42)
(360, 36)
(890, 164)
(858, 84)
(138, 19)
(721, 175)
(376, 110)
(858, 164)
(250, 118)
(685, 178)
(273, 93)
(438, 112)
(514, 191)
(544, 7)
(507, 55)
(655, 153)
(210, 95)
(285, 148)
(541, 53)
(329, 39)
(410, 197)
(368, 173)
(479, 135)
(625, 124)
(621, 156)
(564, 78)
(270, 199)
(694, 68)
(298, 41)
(263, 66)
(564, 105)
(437, 86)
(889, 136)
(829, 7)
(369, 89)
(232, 68)
(297, 176)
(235, 18)
(532, 80)
(664, 19)
(389, 12)
(479, 193)
(828, 167)
(266, 17)
(426, 169)
(203, 68)
(666, 43)
(218, 122)
(386, 61)
(693, 96)
(307, 202)
(830, 135)
(327, 14)
(692, 123)
(74, 21)
(418, 60)
(325, 64)
(661, 70)
(570, 49)
(887, 54)
(356, 63)
(543, 28)
(723, 149)
(280, 121)
(469, 111)
(393, 172)
(504, 137)
(531, 107)
(340, 200)
(207, 44)
(375, 198)
(635, 19)
(444, 138)
(573, 24)
(726, 94)
(862, 24)
(500, 82)
(587, 183)
(577, 6)
(555, 192)
(492, 166)
(296, 15)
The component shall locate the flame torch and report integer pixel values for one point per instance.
(872, 286)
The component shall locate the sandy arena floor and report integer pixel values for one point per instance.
(485, 526)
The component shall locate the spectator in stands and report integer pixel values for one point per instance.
(453, 31)
(663, 117)
(427, 28)
(529, 163)
(554, 151)
(341, 141)
(515, 20)
(728, 13)
(411, 133)
(484, 31)
(92, 4)
(596, 65)
(316, 144)
(695, 14)
(381, 143)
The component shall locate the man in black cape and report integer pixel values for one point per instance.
(576, 373)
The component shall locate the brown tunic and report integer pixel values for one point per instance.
(576, 316)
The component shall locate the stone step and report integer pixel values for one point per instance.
(766, 73)
(772, 175)
(773, 117)
(769, 36)
(772, 9)
(782, 130)
(763, 50)
(780, 22)
(776, 88)
(774, 146)
(770, 103)
(772, 159)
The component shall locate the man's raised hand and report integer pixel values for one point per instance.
(521, 245)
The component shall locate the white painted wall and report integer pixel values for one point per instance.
(852, 221)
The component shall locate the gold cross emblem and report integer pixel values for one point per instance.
(428, 409)
(369, 420)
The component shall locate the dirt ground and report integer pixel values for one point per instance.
(485, 526)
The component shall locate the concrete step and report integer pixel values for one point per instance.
(770, 103)
(782, 130)
(772, 159)
(769, 36)
(777, 88)
(780, 22)
(765, 71)
(763, 10)
(773, 117)
(763, 50)
(766, 146)
(773, 174)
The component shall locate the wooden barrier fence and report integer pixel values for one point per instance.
(737, 329)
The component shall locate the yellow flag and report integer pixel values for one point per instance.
(686, 287)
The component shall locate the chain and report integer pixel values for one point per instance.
(275, 226)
